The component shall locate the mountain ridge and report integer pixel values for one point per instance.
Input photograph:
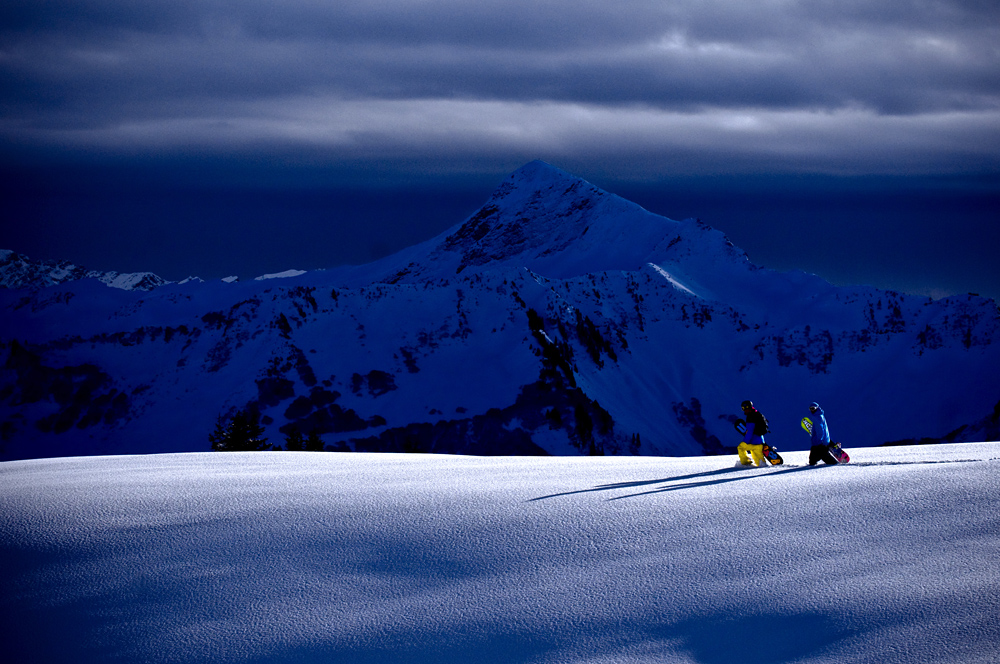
(17, 271)
(556, 319)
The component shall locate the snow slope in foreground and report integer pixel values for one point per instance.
(298, 557)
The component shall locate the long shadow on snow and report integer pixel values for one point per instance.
(745, 474)
(627, 485)
(694, 485)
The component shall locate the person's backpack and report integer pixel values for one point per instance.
(759, 419)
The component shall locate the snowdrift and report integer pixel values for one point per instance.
(300, 557)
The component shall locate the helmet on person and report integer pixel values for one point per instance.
(746, 404)
(813, 407)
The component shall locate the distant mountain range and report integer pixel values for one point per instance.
(20, 272)
(557, 319)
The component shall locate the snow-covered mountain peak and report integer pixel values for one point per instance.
(560, 226)
(557, 319)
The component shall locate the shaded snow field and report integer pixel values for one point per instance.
(298, 557)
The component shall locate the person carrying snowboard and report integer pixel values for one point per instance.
(820, 450)
(753, 439)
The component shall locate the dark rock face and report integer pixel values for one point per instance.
(81, 396)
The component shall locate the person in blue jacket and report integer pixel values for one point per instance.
(820, 450)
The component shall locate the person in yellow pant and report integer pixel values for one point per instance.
(756, 452)
(753, 439)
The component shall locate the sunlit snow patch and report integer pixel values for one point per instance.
(676, 284)
(281, 275)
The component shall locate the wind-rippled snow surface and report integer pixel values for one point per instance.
(298, 557)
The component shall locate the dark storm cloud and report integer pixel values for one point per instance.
(784, 85)
(139, 135)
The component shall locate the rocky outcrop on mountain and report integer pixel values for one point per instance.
(557, 319)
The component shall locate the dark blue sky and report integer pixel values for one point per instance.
(858, 140)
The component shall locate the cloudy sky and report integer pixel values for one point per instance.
(859, 139)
